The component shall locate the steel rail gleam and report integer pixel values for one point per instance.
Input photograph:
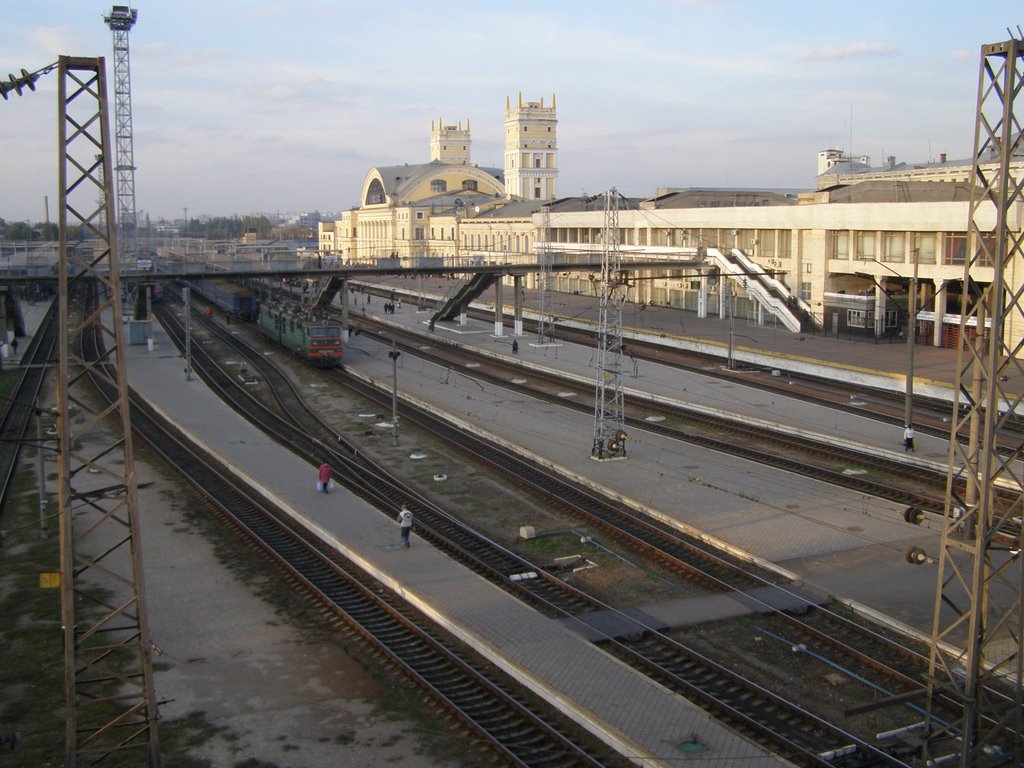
(677, 660)
(492, 708)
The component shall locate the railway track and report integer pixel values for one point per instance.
(915, 486)
(23, 401)
(930, 416)
(520, 729)
(677, 661)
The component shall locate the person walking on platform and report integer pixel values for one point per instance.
(515, 347)
(405, 522)
(323, 481)
(908, 439)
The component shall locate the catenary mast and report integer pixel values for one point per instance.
(609, 408)
(121, 20)
(979, 622)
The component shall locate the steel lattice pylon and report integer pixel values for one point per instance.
(545, 322)
(110, 706)
(609, 408)
(121, 20)
(975, 649)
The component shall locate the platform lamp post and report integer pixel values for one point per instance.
(908, 406)
(908, 401)
(394, 354)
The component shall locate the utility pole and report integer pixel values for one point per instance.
(545, 325)
(394, 354)
(186, 294)
(908, 405)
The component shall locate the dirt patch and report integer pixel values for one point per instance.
(248, 675)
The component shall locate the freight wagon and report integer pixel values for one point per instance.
(233, 299)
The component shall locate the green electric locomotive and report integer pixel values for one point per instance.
(312, 339)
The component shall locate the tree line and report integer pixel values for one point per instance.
(216, 228)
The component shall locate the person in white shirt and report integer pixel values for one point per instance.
(405, 521)
(908, 439)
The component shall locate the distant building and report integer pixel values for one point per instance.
(531, 149)
(421, 210)
(844, 252)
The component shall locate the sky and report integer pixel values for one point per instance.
(273, 107)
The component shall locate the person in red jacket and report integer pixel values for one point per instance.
(323, 482)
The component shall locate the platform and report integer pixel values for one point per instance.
(638, 717)
(846, 544)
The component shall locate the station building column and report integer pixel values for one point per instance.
(499, 310)
(517, 317)
(702, 296)
(939, 306)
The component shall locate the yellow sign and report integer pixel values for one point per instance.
(49, 580)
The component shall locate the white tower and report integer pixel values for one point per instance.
(531, 149)
(449, 143)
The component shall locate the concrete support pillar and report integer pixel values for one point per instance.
(517, 317)
(939, 307)
(702, 296)
(499, 309)
(343, 300)
(881, 302)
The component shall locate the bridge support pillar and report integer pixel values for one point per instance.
(499, 309)
(941, 296)
(517, 317)
(343, 300)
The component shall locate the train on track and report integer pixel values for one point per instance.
(315, 340)
(235, 300)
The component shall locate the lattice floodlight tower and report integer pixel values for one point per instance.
(110, 705)
(609, 409)
(975, 659)
(121, 20)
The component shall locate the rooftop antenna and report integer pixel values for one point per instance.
(851, 131)
(121, 20)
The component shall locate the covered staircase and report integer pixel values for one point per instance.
(769, 293)
(460, 295)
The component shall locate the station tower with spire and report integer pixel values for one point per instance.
(531, 149)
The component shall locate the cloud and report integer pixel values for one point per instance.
(53, 41)
(850, 51)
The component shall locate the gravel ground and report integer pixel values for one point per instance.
(247, 675)
(272, 680)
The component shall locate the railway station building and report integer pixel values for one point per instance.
(842, 257)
